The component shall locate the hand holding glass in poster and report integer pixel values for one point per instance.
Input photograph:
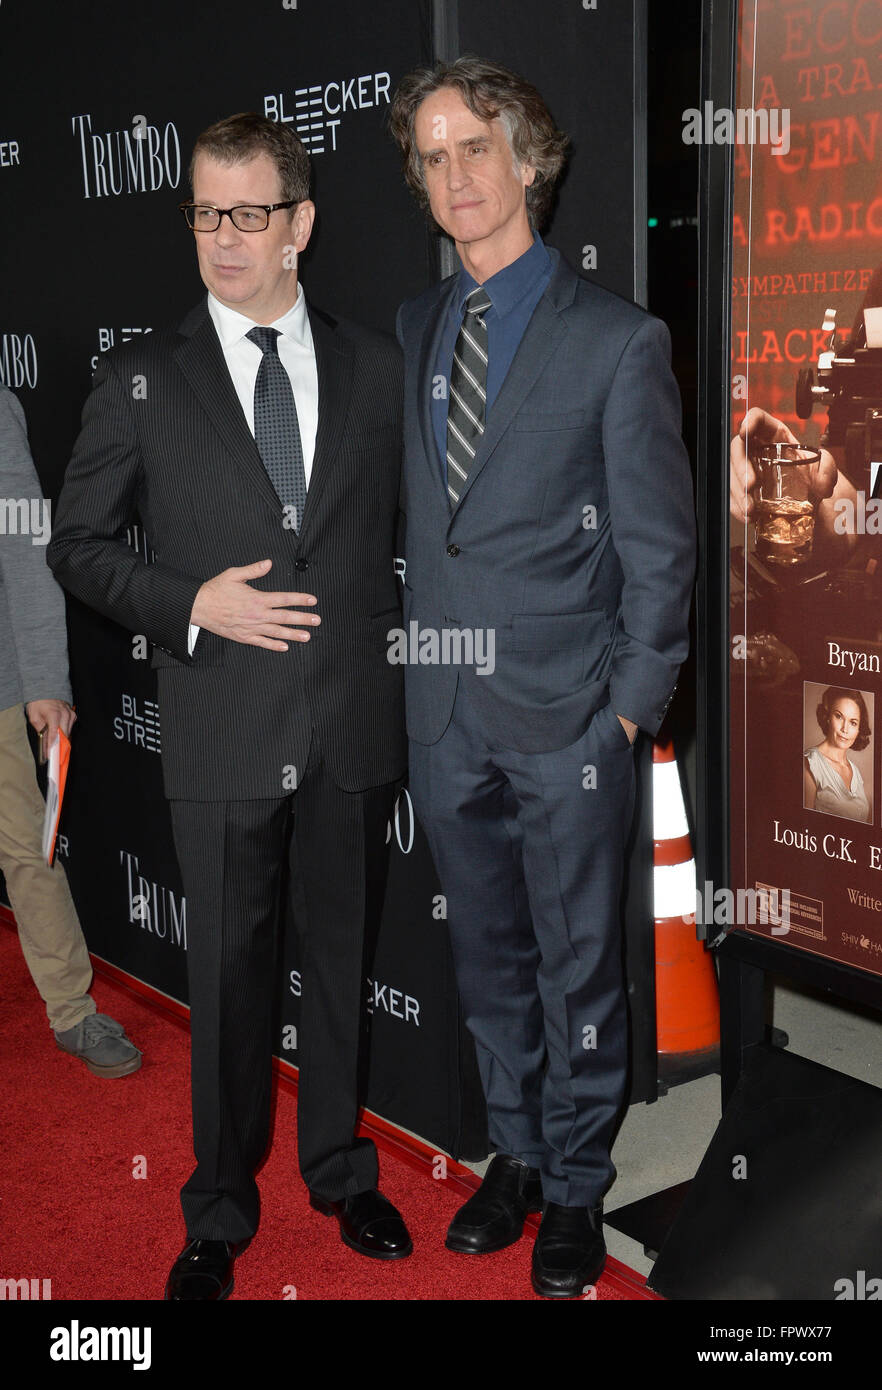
(785, 512)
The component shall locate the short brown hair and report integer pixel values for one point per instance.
(488, 90)
(236, 139)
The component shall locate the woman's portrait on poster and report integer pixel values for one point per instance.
(832, 780)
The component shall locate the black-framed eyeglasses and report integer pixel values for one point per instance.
(246, 217)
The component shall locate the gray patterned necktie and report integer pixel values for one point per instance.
(467, 406)
(276, 427)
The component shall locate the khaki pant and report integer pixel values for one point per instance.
(48, 927)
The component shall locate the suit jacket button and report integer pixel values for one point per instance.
(453, 551)
(301, 564)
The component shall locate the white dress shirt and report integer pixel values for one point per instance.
(243, 359)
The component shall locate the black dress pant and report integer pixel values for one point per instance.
(327, 848)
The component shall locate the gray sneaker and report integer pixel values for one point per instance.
(102, 1044)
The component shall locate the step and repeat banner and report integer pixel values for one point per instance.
(806, 578)
(99, 108)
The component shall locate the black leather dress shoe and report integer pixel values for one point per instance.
(494, 1216)
(570, 1251)
(203, 1270)
(369, 1224)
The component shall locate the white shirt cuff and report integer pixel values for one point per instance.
(191, 639)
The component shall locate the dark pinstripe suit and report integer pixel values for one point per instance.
(164, 437)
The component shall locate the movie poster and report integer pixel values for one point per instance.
(806, 504)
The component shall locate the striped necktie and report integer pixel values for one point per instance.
(276, 427)
(467, 406)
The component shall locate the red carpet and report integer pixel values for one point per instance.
(72, 1212)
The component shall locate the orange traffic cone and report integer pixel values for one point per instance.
(687, 1001)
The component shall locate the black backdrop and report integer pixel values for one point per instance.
(99, 106)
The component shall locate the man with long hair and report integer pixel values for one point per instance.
(549, 509)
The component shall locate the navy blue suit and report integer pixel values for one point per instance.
(573, 543)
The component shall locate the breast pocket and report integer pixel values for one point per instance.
(544, 421)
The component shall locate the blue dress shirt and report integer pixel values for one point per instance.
(515, 291)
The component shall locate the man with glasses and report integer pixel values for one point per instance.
(253, 442)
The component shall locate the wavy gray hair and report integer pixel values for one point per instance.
(488, 90)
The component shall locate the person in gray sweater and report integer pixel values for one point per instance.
(34, 685)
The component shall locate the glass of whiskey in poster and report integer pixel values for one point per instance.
(786, 502)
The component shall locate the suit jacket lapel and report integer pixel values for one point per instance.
(542, 336)
(200, 357)
(334, 364)
(425, 380)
